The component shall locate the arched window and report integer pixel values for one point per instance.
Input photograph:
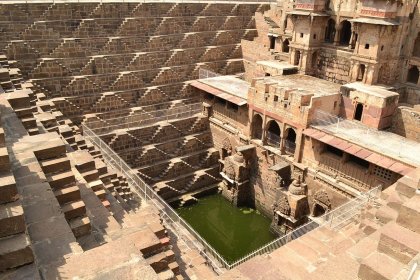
(416, 48)
(257, 127)
(413, 75)
(358, 113)
(290, 141)
(330, 31)
(273, 134)
(345, 33)
(285, 46)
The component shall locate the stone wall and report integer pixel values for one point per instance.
(334, 66)
(406, 122)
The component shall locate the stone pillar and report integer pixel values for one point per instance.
(337, 35)
(207, 110)
(298, 142)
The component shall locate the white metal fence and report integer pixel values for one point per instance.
(204, 74)
(381, 141)
(333, 219)
(144, 119)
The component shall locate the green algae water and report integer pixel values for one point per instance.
(233, 232)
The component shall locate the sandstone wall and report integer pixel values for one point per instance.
(406, 122)
(333, 66)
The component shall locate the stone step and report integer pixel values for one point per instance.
(379, 266)
(2, 139)
(96, 185)
(158, 262)
(90, 175)
(67, 194)
(4, 160)
(8, 190)
(100, 166)
(51, 146)
(12, 220)
(74, 209)
(24, 112)
(61, 180)
(33, 131)
(101, 194)
(87, 165)
(399, 243)
(409, 214)
(158, 229)
(108, 176)
(55, 165)
(407, 185)
(80, 226)
(28, 122)
(174, 267)
(166, 275)
(15, 251)
(106, 204)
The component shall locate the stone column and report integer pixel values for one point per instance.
(336, 35)
(298, 143)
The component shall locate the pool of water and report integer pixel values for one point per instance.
(232, 231)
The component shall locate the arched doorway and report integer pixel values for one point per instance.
(273, 134)
(290, 141)
(413, 75)
(321, 204)
(358, 113)
(226, 148)
(361, 72)
(416, 48)
(330, 31)
(285, 46)
(345, 32)
(318, 210)
(257, 127)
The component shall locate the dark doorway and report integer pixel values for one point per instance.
(285, 46)
(257, 128)
(416, 48)
(318, 210)
(330, 31)
(272, 42)
(273, 134)
(290, 141)
(297, 58)
(358, 112)
(345, 33)
(361, 73)
(413, 75)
